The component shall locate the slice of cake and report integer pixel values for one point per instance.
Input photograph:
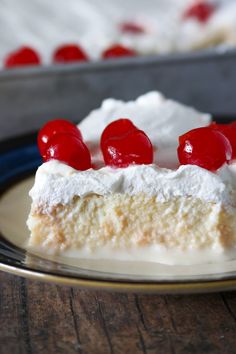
(133, 199)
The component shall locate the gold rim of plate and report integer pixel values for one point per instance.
(158, 288)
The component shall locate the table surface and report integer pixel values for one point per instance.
(44, 318)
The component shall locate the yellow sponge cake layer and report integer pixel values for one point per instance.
(121, 221)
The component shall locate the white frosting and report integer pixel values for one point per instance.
(58, 183)
(163, 120)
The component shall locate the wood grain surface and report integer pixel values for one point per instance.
(42, 318)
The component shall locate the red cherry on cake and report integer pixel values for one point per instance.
(123, 144)
(21, 57)
(117, 128)
(118, 50)
(229, 130)
(133, 148)
(69, 149)
(204, 147)
(55, 127)
(132, 28)
(200, 11)
(69, 53)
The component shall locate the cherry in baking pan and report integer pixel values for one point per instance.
(131, 28)
(69, 53)
(70, 150)
(200, 10)
(123, 144)
(204, 147)
(22, 57)
(118, 50)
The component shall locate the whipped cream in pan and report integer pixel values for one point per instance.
(95, 26)
(163, 120)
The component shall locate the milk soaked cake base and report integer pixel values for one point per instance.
(121, 221)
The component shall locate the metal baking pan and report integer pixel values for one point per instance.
(31, 96)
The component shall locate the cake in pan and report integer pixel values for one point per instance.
(138, 28)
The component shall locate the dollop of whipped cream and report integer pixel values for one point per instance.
(163, 120)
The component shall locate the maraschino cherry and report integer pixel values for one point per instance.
(123, 144)
(229, 130)
(118, 50)
(117, 128)
(69, 149)
(200, 10)
(69, 53)
(22, 57)
(52, 128)
(204, 147)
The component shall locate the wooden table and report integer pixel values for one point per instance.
(42, 318)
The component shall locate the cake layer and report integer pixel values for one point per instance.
(123, 222)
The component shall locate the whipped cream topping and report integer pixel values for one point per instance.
(163, 120)
(57, 183)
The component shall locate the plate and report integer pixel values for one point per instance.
(19, 159)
